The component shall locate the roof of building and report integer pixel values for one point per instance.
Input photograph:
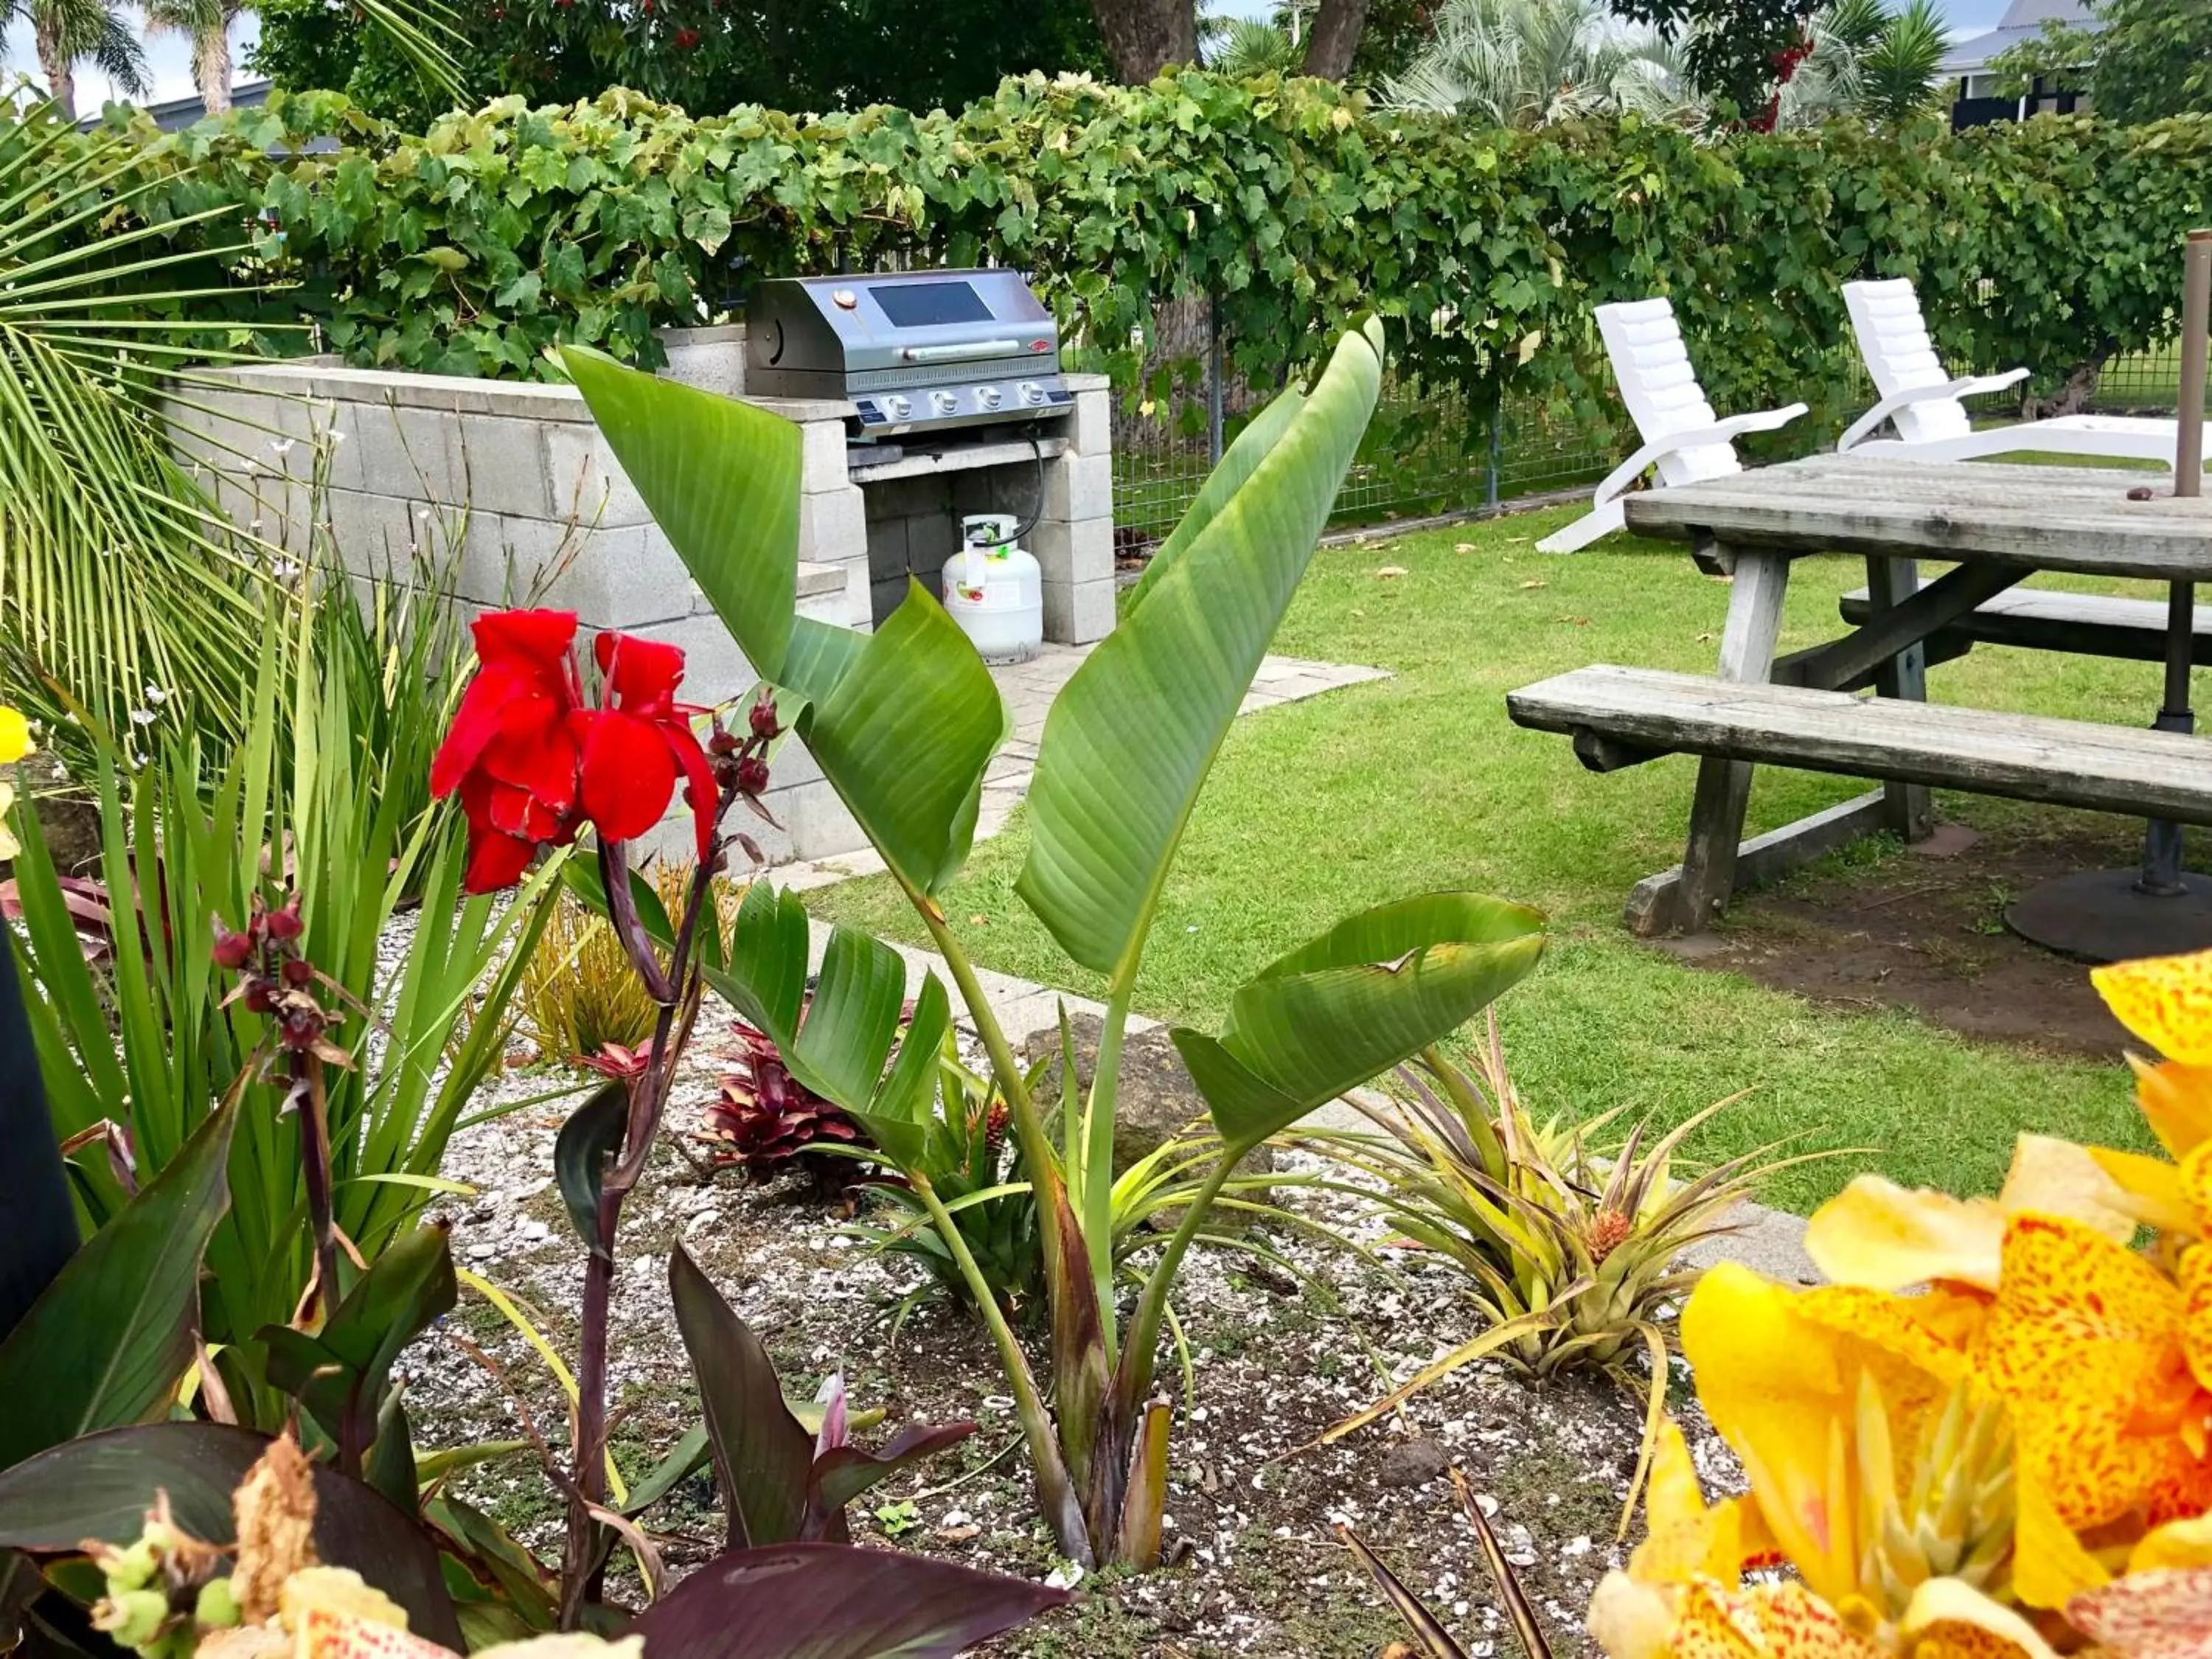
(175, 114)
(2023, 21)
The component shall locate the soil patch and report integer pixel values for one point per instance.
(1883, 927)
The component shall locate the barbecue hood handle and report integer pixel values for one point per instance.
(959, 354)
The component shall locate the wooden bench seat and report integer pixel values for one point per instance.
(2089, 625)
(2031, 757)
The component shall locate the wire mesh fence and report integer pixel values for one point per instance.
(1428, 452)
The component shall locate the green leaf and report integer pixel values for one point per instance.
(101, 1486)
(107, 1340)
(1379, 986)
(722, 479)
(902, 721)
(762, 1454)
(1128, 744)
(833, 1601)
(586, 1141)
(341, 1373)
(838, 1042)
(690, 1454)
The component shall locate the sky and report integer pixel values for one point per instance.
(169, 57)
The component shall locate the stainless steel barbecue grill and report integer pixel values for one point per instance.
(920, 351)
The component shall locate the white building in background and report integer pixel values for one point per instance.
(1976, 101)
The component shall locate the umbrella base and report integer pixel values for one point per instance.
(2101, 915)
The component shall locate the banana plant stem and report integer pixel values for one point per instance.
(1098, 1153)
(1133, 1376)
(1029, 1129)
(1056, 1494)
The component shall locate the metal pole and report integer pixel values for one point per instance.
(2161, 859)
(2196, 340)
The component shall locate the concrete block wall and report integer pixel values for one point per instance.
(514, 484)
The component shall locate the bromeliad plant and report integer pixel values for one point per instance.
(904, 724)
(1572, 1241)
(2012, 1463)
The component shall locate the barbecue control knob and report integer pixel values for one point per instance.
(1032, 393)
(899, 408)
(844, 299)
(944, 403)
(986, 397)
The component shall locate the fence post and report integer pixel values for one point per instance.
(1492, 469)
(1214, 378)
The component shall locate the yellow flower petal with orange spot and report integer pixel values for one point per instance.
(1885, 1237)
(2083, 1344)
(2195, 1276)
(1949, 1619)
(1763, 1621)
(2165, 1001)
(1780, 1372)
(2052, 1176)
(2195, 1177)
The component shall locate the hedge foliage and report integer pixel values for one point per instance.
(470, 248)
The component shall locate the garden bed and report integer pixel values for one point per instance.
(1258, 1568)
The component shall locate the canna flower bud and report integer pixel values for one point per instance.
(762, 718)
(284, 925)
(753, 775)
(231, 951)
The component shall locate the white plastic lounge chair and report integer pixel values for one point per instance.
(1922, 402)
(1681, 435)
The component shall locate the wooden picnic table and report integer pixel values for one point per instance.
(1997, 525)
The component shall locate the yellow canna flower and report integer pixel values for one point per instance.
(15, 736)
(1881, 1236)
(2085, 1345)
(2167, 1002)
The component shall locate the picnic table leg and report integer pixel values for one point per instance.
(1687, 900)
(1909, 808)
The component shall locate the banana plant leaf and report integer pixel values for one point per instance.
(1129, 742)
(902, 721)
(107, 1341)
(101, 1486)
(1379, 986)
(838, 1041)
(834, 1602)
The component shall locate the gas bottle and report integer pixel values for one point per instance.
(993, 590)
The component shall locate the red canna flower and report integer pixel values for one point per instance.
(632, 751)
(510, 751)
(686, 39)
(532, 763)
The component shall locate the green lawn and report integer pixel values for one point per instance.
(1420, 782)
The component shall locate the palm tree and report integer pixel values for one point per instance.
(67, 33)
(1531, 63)
(208, 22)
(1868, 63)
(1247, 47)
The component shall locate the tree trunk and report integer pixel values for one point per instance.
(212, 63)
(1336, 30)
(1143, 37)
(54, 63)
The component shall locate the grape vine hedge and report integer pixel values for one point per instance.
(472, 247)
